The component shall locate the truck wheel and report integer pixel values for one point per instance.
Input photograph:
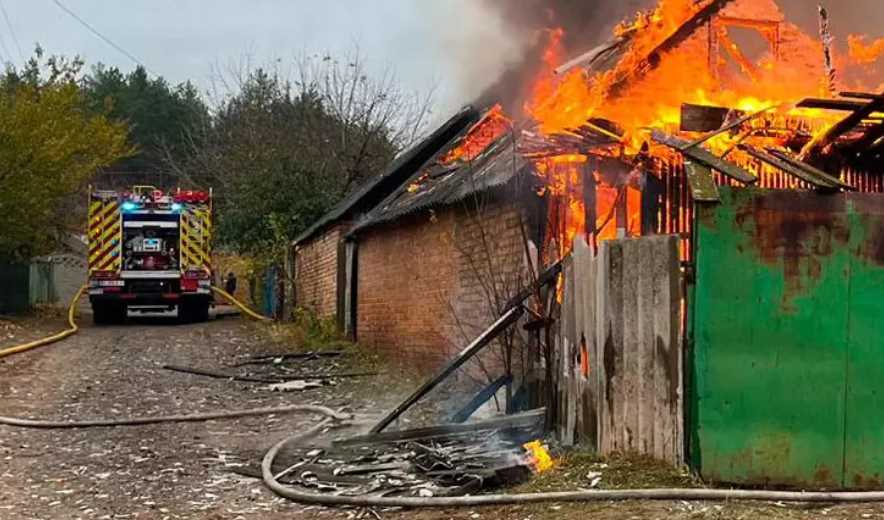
(201, 313)
(193, 312)
(108, 314)
(100, 315)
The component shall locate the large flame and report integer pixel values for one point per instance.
(645, 89)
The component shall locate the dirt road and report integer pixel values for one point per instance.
(178, 471)
(160, 471)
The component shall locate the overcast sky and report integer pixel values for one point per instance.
(182, 39)
(452, 44)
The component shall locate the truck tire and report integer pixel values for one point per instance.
(193, 312)
(108, 313)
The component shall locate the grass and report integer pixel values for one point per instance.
(620, 471)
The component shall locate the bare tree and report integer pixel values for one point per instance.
(287, 141)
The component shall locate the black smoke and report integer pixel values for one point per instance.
(586, 23)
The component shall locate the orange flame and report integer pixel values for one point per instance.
(646, 88)
(862, 53)
(491, 127)
(539, 456)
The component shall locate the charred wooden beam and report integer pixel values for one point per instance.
(597, 55)
(298, 355)
(481, 398)
(729, 126)
(819, 143)
(869, 138)
(525, 420)
(823, 183)
(809, 169)
(222, 375)
(478, 344)
(652, 60)
(848, 105)
(703, 187)
(702, 118)
(860, 95)
(705, 157)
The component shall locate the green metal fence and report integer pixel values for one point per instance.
(787, 360)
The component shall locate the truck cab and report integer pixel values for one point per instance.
(149, 251)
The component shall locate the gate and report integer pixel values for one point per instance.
(787, 362)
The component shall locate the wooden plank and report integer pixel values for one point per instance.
(702, 118)
(594, 55)
(591, 319)
(631, 373)
(703, 187)
(810, 170)
(861, 95)
(831, 104)
(668, 349)
(606, 353)
(729, 126)
(569, 327)
(647, 394)
(481, 398)
(477, 345)
(705, 157)
(824, 139)
(580, 266)
(529, 419)
(781, 165)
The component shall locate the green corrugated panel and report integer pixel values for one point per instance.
(786, 361)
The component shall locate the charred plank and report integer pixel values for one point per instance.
(525, 420)
(705, 157)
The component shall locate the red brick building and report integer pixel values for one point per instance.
(438, 258)
(429, 265)
(318, 254)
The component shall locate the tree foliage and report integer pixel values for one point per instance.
(51, 144)
(281, 150)
(160, 116)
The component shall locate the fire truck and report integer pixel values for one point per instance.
(149, 251)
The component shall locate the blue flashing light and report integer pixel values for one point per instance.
(129, 206)
(176, 206)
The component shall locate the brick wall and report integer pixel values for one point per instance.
(424, 281)
(316, 272)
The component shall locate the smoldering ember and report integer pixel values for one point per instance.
(636, 275)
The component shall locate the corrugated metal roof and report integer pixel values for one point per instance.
(438, 184)
(401, 169)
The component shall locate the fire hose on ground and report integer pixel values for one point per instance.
(305, 497)
(240, 305)
(410, 502)
(73, 328)
(140, 421)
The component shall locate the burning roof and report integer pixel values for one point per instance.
(647, 95)
(480, 157)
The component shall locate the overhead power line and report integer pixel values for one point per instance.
(107, 40)
(21, 55)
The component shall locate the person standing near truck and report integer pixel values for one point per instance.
(230, 283)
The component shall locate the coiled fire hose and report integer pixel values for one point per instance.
(534, 498)
(72, 329)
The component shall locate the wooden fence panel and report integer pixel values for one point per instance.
(619, 351)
